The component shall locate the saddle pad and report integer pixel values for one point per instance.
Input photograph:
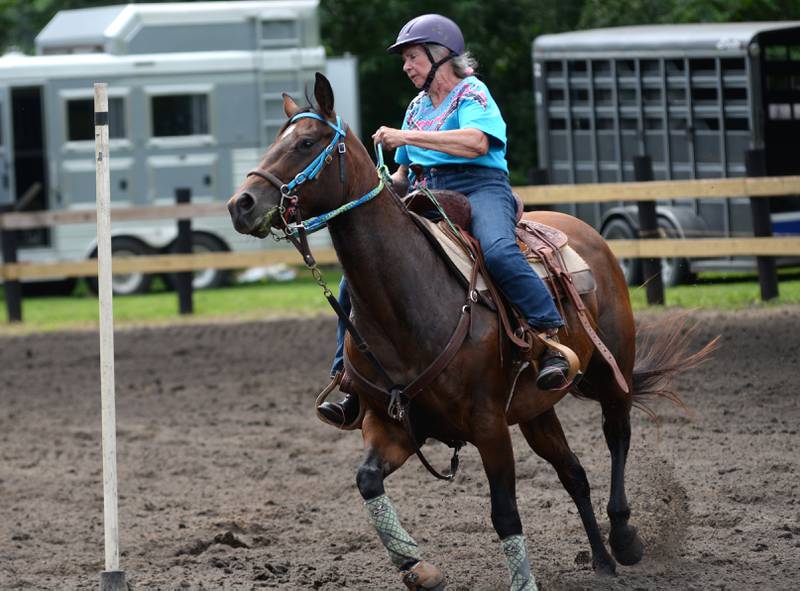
(582, 276)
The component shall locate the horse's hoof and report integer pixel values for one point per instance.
(423, 576)
(604, 566)
(626, 545)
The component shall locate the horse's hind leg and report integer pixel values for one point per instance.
(497, 455)
(625, 543)
(387, 449)
(546, 437)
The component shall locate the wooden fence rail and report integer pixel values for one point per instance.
(657, 190)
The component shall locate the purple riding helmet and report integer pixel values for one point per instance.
(430, 28)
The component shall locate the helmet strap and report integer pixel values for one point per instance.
(434, 66)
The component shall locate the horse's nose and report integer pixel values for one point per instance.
(242, 204)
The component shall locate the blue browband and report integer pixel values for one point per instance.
(311, 171)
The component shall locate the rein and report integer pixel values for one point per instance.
(399, 397)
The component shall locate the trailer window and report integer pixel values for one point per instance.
(775, 53)
(780, 111)
(555, 95)
(80, 119)
(675, 67)
(280, 33)
(603, 96)
(554, 68)
(180, 115)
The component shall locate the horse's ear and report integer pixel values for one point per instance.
(324, 95)
(289, 106)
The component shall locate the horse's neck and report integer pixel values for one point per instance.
(403, 294)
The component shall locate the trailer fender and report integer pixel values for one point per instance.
(682, 219)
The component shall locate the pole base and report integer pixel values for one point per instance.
(113, 580)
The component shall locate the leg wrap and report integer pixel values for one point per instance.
(518, 566)
(401, 547)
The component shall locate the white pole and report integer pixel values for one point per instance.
(112, 578)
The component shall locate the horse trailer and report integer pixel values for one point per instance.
(695, 98)
(194, 98)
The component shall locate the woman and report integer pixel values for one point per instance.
(454, 130)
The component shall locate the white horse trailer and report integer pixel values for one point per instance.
(194, 98)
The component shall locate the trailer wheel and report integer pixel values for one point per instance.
(619, 229)
(128, 283)
(676, 270)
(205, 278)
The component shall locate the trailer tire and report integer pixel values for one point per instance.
(619, 229)
(676, 270)
(129, 283)
(206, 278)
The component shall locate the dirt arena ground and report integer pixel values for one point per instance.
(228, 481)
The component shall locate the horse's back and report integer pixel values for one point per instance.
(581, 235)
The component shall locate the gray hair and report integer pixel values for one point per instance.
(462, 64)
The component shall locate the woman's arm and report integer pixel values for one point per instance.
(466, 143)
(400, 180)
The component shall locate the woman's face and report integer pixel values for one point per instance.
(416, 64)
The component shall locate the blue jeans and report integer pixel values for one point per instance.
(344, 302)
(493, 221)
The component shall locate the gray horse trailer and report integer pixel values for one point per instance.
(194, 98)
(694, 98)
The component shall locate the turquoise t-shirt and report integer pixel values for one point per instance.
(468, 106)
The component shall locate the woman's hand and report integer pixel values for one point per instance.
(390, 137)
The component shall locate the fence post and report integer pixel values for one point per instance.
(648, 228)
(538, 176)
(13, 288)
(756, 165)
(183, 245)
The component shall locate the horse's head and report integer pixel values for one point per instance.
(293, 175)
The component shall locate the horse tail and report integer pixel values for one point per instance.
(660, 356)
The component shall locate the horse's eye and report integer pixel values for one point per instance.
(305, 144)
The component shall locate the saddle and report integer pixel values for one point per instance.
(535, 240)
(547, 249)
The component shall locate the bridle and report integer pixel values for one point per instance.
(289, 208)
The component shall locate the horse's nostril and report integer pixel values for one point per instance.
(245, 202)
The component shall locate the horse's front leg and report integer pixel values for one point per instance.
(387, 448)
(497, 455)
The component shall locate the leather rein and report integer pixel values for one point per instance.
(398, 397)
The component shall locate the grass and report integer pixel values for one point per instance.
(300, 297)
(724, 291)
(303, 297)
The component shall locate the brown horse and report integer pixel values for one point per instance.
(406, 303)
